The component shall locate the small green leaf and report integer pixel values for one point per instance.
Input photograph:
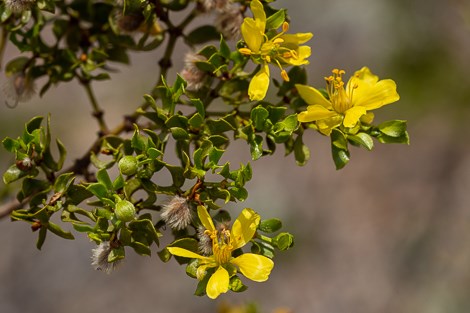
(179, 133)
(259, 116)
(275, 21)
(256, 147)
(202, 35)
(363, 140)
(396, 128)
(41, 237)
(63, 182)
(236, 284)
(270, 226)
(98, 190)
(11, 145)
(199, 107)
(16, 65)
(224, 48)
(59, 231)
(196, 120)
(301, 151)
(116, 254)
(103, 178)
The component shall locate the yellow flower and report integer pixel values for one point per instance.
(346, 104)
(281, 49)
(224, 242)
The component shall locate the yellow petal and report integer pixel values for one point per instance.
(253, 266)
(312, 96)
(252, 35)
(244, 228)
(382, 93)
(259, 84)
(365, 75)
(326, 125)
(353, 115)
(298, 38)
(205, 218)
(186, 253)
(259, 14)
(218, 283)
(314, 113)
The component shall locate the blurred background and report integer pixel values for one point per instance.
(389, 233)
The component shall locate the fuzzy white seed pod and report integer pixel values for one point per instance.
(207, 6)
(191, 73)
(205, 241)
(229, 22)
(18, 6)
(177, 213)
(18, 88)
(100, 258)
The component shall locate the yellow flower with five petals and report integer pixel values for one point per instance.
(254, 266)
(346, 105)
(281, 49)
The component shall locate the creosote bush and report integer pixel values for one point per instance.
(110, 193)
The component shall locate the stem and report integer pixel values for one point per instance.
(97, 112)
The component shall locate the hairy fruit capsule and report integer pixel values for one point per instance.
(128, 165)
(125, 211)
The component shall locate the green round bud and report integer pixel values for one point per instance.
(128, 165)
(125, 211)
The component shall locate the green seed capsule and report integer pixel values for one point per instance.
(128, 165)
(125, 211)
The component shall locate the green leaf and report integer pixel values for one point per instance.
(340, 157)
(16, 65)
(98, 190)
(116, 254)
(270, 226)
(199, 107)
(362, 139)
(33, 124)
(103, 178)
(396, 128)
(275, 21)
(217, 127)
(256, 147)
(179, 133)
(301, 151)
(12, 174)
(202, 35)
(177, 174)
(404, 139)
(236, 284)
(41, 237)
(63, 182)
(141, 248)
(224, 48)
(11, 145)
(59, 231)
(196, 120)
(259, 116)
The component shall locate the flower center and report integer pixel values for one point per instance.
(221, 246)
(340, 99)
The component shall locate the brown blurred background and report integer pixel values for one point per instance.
(389, 233)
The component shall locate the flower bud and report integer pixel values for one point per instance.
(128, 165)
(125, 211)
(283, 241)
